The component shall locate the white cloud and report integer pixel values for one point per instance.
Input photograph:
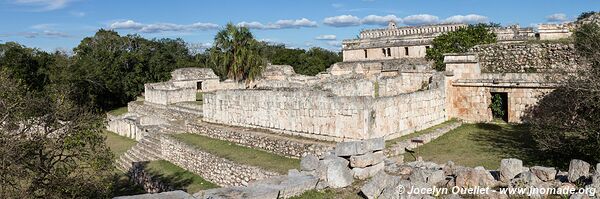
(44, 26)
(342, 21)
(420, 19)
(380, 20)
(280, 24)
(196, 48)
(44, 5)
(161, 27)
(335, 43)
(45, 33)
(469, 19)
(78, 14)
(326, 37)
(557, 17)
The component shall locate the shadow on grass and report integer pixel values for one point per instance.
(516, 141)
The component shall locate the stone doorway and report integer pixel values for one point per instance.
(199, 85)
(499, 105)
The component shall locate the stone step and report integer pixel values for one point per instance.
(152, 152)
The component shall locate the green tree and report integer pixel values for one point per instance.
(566, 122)
(48, 148)
(109, 70)
(235, 54)
(459, 42)
(27, 64)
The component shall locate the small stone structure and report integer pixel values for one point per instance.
(168, 93)
(203, 79)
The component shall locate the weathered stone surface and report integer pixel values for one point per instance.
(375, 144)
(578, 170)
(427, 176)
(375, 186)
(478, 176)
(364, 173)
(350, 148)
(509, 168)
(171, 194)
(524, 180)
(544, 173)
(367, 159)
(337, 173)
(239, 192)
(309, 163)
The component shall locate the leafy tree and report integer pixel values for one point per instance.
(310, 62)
(48, 148)
(566, 122)
(235, 54)
(585, 15)
(110, 70)
(29, 65)
(458, 42)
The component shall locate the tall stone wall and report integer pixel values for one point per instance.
(395, 116)
(215, 169)
(322, 115)
(316, 114)
(526, 57)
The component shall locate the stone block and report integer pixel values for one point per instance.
(336, 172)
(369, 158)
(364, 173)
(478, 176)
(509, 168)
(374, 144)
(544, 173)
(578, 170)
(309, 162)
(350, 148)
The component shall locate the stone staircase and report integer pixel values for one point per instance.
(147, 149)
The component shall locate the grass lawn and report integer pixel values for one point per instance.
(240, 154)
(118, 144)
(485, 145)
(118, 111)
(178, 177)
(389, 143)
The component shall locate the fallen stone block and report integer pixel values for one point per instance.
(374, 144)
(578, 170)
(367, 159)
(509, 168)
(309, 162)
(239, 192)
(336, 172)
(478, 176)
(544, 173)
(171, 194)
(377, 184)
(364, 173)
(344, 149)
(427, 176)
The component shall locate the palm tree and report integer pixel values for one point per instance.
(235, 53)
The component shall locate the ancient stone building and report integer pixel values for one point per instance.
(394, 42)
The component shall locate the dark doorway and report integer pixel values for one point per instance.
(198, 85)
(499, 106)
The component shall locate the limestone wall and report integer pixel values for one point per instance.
(322, 115)
(183, 111)
(167, 93)
(526, 57)
(126, 126)
(395, 116)
(312, 113)
(215, 169)
(405, 82)
(285, 146)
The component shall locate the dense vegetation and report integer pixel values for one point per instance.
(566, 122)
(459, 42)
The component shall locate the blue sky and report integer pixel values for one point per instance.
(61, 24)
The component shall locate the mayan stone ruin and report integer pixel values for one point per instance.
(337, 122)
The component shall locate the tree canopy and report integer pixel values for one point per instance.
(235, 54)
(459, 42)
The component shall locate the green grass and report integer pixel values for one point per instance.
(240, 154)
(389, 143)
(118, 144)
(485, 145)
(178, 177)
(118, 111)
